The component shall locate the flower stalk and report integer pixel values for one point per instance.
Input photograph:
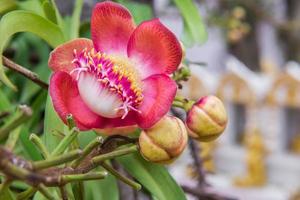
(88, 149)
(122, 178)
(82, 177)
(66, 141)
(39, 145)
(23, 113)
(58, 160)
(119, 152)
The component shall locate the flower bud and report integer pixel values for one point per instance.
(163, 142)
(206, 119)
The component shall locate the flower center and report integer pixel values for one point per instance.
(109, 85)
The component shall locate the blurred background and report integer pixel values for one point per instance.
(250, 60)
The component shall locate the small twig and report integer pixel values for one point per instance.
(120, 152)
(42, 189)
(4, 114)
(202, 194)
(39, 145)
(115, 138)
(23, 114)
(63, 193)
(13, 138)
(26, 194)
(25, 72)
(122, 178)
(88, 149)
(58, 160)
(67, 140)
(197, 162)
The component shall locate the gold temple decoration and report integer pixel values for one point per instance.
(255, 161)
(289, 87)
(235, 89)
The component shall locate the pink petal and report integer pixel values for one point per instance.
(62, 56)
(159, 92)
(154, 48)
(111, 27)
(66, 100)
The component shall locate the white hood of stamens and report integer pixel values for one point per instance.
(98, 98)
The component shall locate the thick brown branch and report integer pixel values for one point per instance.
(25, 72)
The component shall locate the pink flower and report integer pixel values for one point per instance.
(120, 77)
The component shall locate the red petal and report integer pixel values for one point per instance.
(62, 56)
(154, 48)
(66, 100)
(159, 92)
(111, 27)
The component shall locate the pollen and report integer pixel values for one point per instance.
(116, 73)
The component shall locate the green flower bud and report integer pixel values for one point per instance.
(206, 119)
(163, 142)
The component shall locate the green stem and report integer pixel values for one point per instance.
(119, 152)
(178, 104)
(26, 194)
(122, 178)
(58, 134)
(183, 104)
(39, 145)
(83, 177)
(13, 138)
(179, 98)
(43, 190)
(70, 122)
(20, 117)
(4, 185)
(58, 15)
(93, 144)
(76, 19)
(58, 160)
(13, 170)
(66, 141)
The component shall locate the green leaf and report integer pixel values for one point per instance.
(75, 20)
(140, 11)
(6, 5)
(49, 11)
(155, 178)
(52, 123)
(4, 102)
(33, 6)
(25, 21)
(194, 28)
(6, 194)
(102, 189)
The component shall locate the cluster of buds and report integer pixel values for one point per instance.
(165, 141)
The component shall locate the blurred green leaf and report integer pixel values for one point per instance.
(140, 11)
(33, 6)
(4, 102)
(24, 21)
(75, 20)
(6, 5)
(49, 11)
(103, 189)
(52, 123)
(6, 194)
(28, 147)
(155, 178)
(194, 28)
